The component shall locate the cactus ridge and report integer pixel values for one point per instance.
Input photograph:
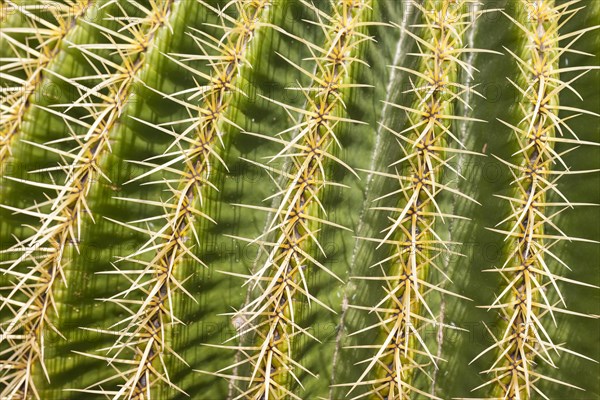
(42, 254)
(528, 272)
(145, 332)
(403, 313)
(23, 72)
(272, 317)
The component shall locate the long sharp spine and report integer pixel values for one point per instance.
(145, 333)
(41, 257)
(528, 274)
(289, 240)
(412, 236)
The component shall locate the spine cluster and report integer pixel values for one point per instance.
(50, 41)
(22, 70)
(529, 272)
(292, 237)
(142, 342)
(40, 257)
(408, 272)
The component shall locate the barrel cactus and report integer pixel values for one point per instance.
(295, 199)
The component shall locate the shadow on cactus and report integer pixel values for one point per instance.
(289, 199)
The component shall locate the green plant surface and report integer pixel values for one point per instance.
(293, 234)
(212, 199)
(532, 233)
(485, 248)
(60, 228)
(405, 272)
(31, 38)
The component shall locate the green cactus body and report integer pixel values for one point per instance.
(155, 154)
(22, 69)
(147, 331)
(273, 316)
(525, 301)
(404, 312)
(60, 217)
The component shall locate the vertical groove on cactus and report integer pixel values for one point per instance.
(144, 334)
(529, 270)
(404, 312)
(179, 194)
(23, 71)
(290, 239)
(40, 258)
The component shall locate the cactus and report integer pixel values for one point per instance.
(259, 199)
(524, 300)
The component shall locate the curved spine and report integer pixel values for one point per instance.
(144, 332)
(408, 272)
(31, 60)
(40, 258)
(528, 271)
(273, 316)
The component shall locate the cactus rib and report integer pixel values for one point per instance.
(31, 60)
(404, 313)
(273, 315)
(527, 272)
(61, 216)
(144, 331)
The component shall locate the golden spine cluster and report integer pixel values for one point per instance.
(403, 314)
(528, 272)
(143, 333)
(270, 326)
(40, 258)
(292, 235)
(23, 71)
